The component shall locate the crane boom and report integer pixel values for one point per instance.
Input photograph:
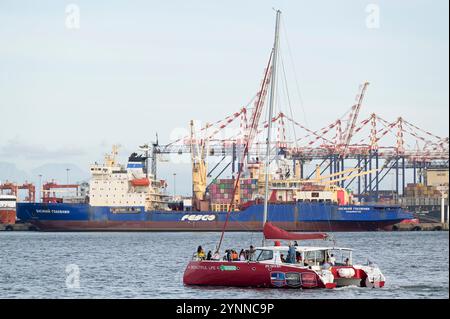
(353, 118)
(351, 176)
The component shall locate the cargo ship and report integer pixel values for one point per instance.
(128, 198)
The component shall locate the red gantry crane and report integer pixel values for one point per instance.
(49, 191)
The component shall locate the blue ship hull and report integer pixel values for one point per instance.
(291, 217)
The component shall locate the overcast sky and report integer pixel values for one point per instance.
(134, 68)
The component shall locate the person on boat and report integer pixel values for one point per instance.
(282, 258)
(209, 256)
(251, 252)
(246, 254)
(326, 265)
(234, 255)
(332, 260)
(291, 254)
(347, 261)
(298, 257)
(216, 256)
(200, 253)
(295, 244)
(227, 256)
(242, 255)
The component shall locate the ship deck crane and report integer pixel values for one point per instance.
(199, 168)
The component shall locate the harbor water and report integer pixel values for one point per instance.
(151, 265)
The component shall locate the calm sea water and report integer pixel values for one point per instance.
(151, 265)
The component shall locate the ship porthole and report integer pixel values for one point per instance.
(253, 268)
(237, 268)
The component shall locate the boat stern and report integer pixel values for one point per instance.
(360, 276)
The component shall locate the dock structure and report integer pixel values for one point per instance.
(18, 227)
(376, 148)
(421, 227)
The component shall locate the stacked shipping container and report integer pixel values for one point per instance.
(221, 191)
(420, 190)
(249, 189)
(421, 195)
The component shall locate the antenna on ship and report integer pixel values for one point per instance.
(270, 115)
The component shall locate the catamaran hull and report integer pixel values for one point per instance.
(250, 274)
(261, 275)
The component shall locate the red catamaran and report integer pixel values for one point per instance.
(314, 267)
(305, 266)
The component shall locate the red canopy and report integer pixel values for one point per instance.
(273, 232)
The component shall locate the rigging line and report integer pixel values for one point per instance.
(295, 73)
(208, 126)
(277, 105)
(417, 137)
(321, 131)
(253, 126)
(387, 128)
(308, 130)
(344, 118)
(423, 131)
(247, 106)
(408, 126)
(288, 99)
(408, 130)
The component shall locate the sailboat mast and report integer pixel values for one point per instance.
(271, 104)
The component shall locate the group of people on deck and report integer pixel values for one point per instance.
(293, 256)
(230, 254)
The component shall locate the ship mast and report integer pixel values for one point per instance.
(271, 105)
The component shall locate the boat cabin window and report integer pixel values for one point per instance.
(341, 257)
(316, 257)
(262, 254)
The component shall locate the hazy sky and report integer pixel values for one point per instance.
(135, 68)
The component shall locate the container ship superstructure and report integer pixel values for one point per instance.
(128, 198)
